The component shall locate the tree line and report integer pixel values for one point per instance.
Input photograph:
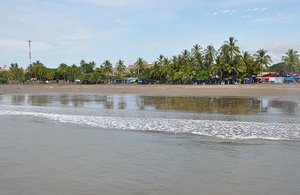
(208, 65)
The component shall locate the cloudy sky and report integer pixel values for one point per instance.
(95, 30)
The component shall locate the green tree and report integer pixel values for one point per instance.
(50, 73)
(120, 67)
(155, 71)
(209, 56)
(75, 72)
(291, 59)
(17, 73)
(231, 48)
(262, 59)
(36, 70)
(4, 76)
(230, 60)
(87, 67)
(140, 65)
(198, 60)
(164, 68)
(248, 62)
(281, 68)
(217, 69)
(107, 68)
(96, 77)
(63, 70)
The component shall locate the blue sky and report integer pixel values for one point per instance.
(95, 30)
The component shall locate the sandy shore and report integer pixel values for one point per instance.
(290, 90)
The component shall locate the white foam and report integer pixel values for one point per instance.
(214, 128)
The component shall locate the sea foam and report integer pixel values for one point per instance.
(212, 128)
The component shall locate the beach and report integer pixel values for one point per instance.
(149, 139)
(287, 90)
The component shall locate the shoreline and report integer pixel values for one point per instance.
(283, 90)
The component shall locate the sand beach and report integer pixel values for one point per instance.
(150, 139)
(288, 90)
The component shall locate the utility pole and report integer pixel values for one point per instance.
(29, 44)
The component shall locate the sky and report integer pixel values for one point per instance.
(67, 31)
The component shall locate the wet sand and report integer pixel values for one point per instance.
(56, 143)
(129, 144)
(288, 90)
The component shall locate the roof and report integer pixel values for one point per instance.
(269, 75)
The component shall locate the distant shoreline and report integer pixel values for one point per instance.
(284, 90)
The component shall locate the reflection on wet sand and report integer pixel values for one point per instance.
(223, 105)
(17, 99)
(204, 104)
(39, 100)
(122, 103)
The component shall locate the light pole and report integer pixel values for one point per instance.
(29, 44)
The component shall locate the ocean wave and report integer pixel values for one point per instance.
(212, 128)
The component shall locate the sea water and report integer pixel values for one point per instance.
(131, 144)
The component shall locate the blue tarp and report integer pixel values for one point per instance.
(249, 80)
(130, 81)
(278, 80)
(288, 78)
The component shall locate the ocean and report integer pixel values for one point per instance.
(134, 144)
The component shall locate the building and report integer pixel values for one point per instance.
(4, 68)
(268, 77)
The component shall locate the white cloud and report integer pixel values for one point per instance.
(259, 9)
(264, 9)
(278, 49)
(256, 9)
(223, 12)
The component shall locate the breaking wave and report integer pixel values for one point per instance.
(212, 128)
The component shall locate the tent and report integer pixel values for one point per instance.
(279, 80)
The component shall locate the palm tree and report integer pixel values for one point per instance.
(49, 75)
(196, 50)
(31, 71)
(165, 68)
(37, 69)
(262, 59)
(107, 68)
(238, 67)
(155, 71)
(14, 69)
(160, 59)
(216, 69)
(120, 67)
(186, 63)
(175, 65)
(231, 48)
(62, 70)
(186, 58)
(291, 60)
(75, 72)
(87, 67)
(197, 58)
(248, 62)
(209, 55)
(140, 65)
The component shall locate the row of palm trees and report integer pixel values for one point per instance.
(198, 64)
(228, 62)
